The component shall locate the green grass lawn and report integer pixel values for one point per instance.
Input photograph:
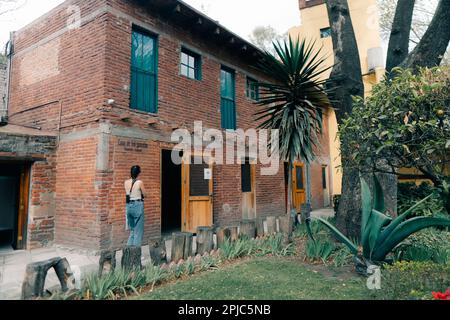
(264, 279)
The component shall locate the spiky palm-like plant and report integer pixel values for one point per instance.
(380, 234)
(292, 102)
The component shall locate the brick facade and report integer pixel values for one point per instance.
(2, 89)
(62, 79)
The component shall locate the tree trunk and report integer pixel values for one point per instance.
(348, 219)
(158, 253)
(260, 227)
(107, 262)
(271, 225)
(131, 258)
(286, 228)
(289, 190)
(36, 273)
(431, 48)
(205, 240)
(345, 81)
(234, 233)
(181, 246)
(400, 34)
(222, 234)
(247, 229)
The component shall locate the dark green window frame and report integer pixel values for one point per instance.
(228, 98)
(144, 71)
(190, 64)
(252, 89)
(325, 32)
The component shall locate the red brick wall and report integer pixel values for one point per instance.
(87, 66)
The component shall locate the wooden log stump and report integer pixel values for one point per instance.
(107, 262)
(234, 233)
(222, 233)
(131, 258)
(205, 239)
(286, 227)
(36, 273)
(158, 253)
(181, 246)
(260, 227)
(247, 228)
(271, 225)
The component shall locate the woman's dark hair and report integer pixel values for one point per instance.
(135, 171)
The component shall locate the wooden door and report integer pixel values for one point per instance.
(248, 185)
(20, 241)
(298, 185)
(197, 195)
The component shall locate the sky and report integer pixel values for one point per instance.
(239, 16)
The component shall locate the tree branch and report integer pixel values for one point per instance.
(400, 34)
(431, 48)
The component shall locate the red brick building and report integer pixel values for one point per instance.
(98, 86)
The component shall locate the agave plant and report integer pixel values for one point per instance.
(380, 234)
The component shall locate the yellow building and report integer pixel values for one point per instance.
(315, 26)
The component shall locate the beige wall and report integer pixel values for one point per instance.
(365, 23)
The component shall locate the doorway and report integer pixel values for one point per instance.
(248, 185)
(298, 186)
(14, 193)
(170, 194)
(197, 193)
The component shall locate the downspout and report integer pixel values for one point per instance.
(9, 51)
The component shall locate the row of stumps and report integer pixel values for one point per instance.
(182, 249)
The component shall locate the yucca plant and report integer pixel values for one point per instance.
(380, 234)
(292, 102)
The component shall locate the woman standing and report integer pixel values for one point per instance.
(135, 191)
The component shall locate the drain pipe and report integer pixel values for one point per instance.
(9, 51)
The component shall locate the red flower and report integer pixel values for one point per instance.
(441, 296)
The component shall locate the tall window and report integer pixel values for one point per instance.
(227, 101)
(252, 89)
(190, 64)
(324, 177)
(144, 66)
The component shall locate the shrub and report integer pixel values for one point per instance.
(342, 256)
(321, 249)
(413, 280)
(155, 275)
(336, 200)
(106, 286)
(427, 245)
(410, 194)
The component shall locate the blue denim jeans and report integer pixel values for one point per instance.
(135, 216)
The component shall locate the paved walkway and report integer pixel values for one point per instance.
(13, 263)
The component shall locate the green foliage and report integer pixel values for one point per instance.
(292, 102)
(319, 249)
(336, 201)
(380, 234)
(231, 250)
(2, 59)
(427, 245)
(410, 194)
(405, 123)
(413, 280)
(209, 263)
(155, 275)
(272, 245)
(111, 284)
(342, 256)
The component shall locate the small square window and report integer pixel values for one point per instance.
(190, 64)
(252, 89)
(325, 32)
